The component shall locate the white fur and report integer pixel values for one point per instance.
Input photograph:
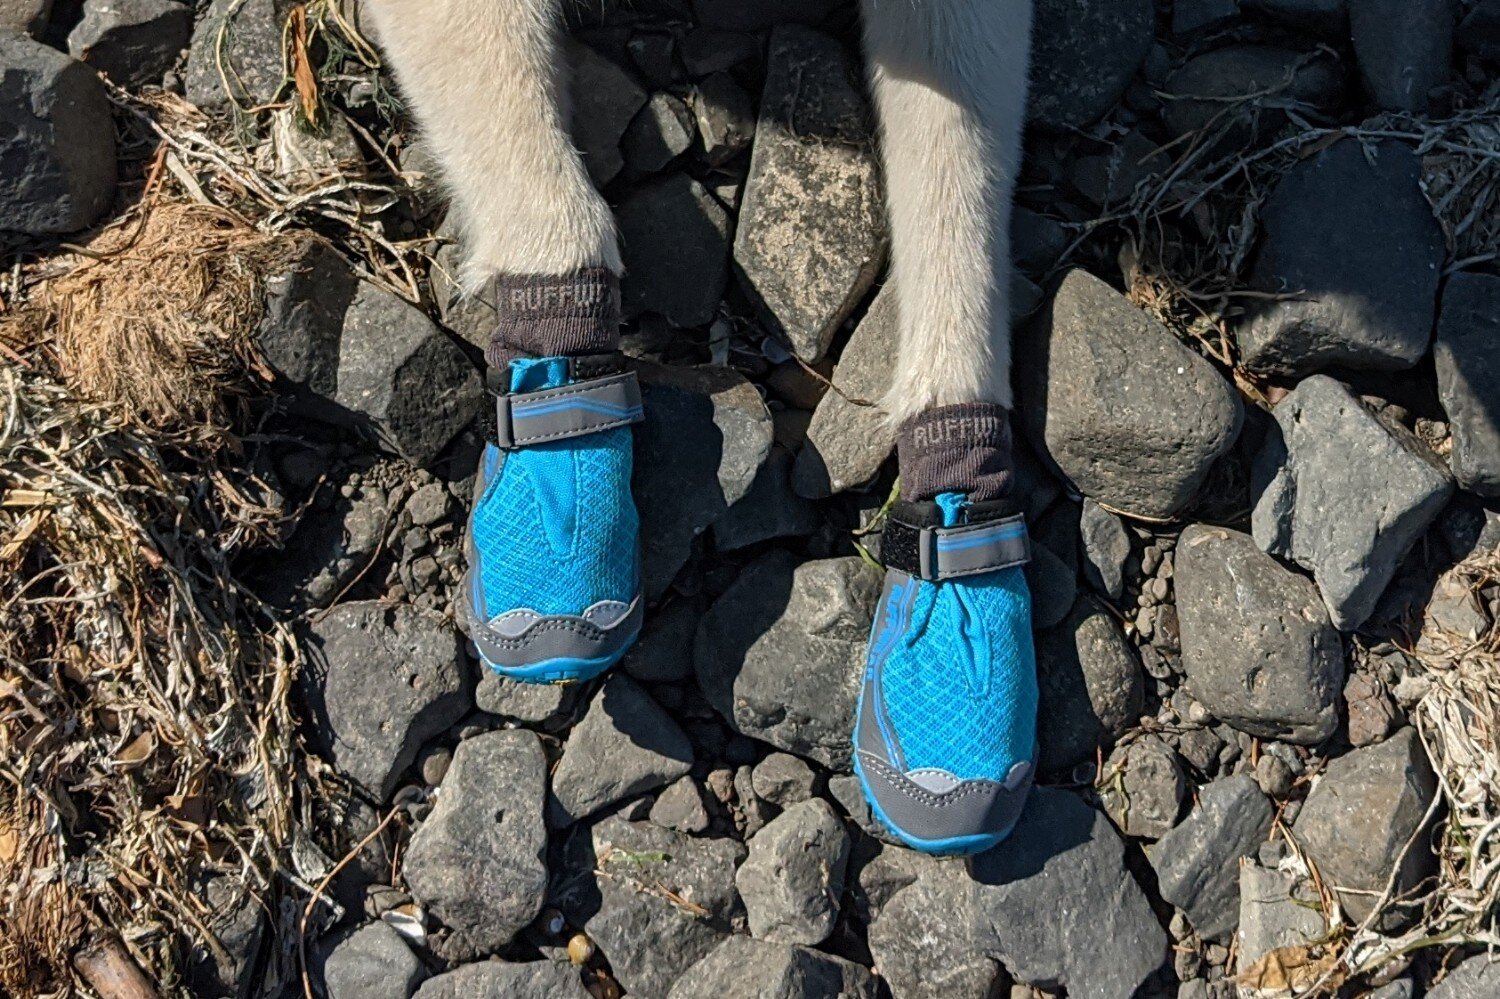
(950, 86)
(486, 82)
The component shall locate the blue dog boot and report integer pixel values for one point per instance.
(553, 589)
(945, 736)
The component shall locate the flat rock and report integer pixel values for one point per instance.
(1057, 906)
(1127, 412)
(1258, 80)
(1404, 48)
(769, 510)
(651, 940)
(675, 238)
(1476, 978)
(1467, 356)
(1106, 549)
(1053, 585)
(1198, 862)
(1343, 494)
(783, 780)
(306, 300)
(1143, 788)
(682, 806)
(725, 116)
(1109, 37)
(402, 374)
(605, 99)
(533, 704)
(381, 681)
(923, 936)
(1092, 686)
(1359, 816)
(57, 140)
(660, 132)
(793, 878)
(235, 59)
(664, 652)
(1277, 909)
(851, 436)
(504, 980)
(477, 861)
(779, 655)
(706, 434)
(746, 968)
(133, 42)
(1361, 285)
(1258, 647)
(373, 962)
(626, 745)
(811, 234)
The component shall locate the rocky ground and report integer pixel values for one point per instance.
(1259, 382)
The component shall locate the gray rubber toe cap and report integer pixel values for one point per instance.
(967, 808)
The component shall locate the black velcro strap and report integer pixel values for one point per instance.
(937, 553)
(573, 410)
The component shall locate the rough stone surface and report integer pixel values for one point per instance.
(706, 434)
(675, 238)
(1197, 863)
(1144, 787)
(851, 435)
(794, 875)
(1277, 909)
(812, 234)
(1053, 585)
(1404, 49)
(305, 305)
(1056, 905)
(1363, 284)
(1359, 816)
(1202, 89)
(27, 17)
(1480, 30)
(57, 141)
(779, 655)
(769, 510)
(625, 745)
(1126, 411)
(1467, 355)
(660, 132)
(1111, 37)
(235, 55)
(725, 116)
(664, 652)
(780, 971)
(1344, 495)
(1476, 978)
(1257, 646)
(681, 806)
(503, 980)
(528, 703)
(922, 935)
(1106, 548)
(380, 682)
(133, 42)
(783, 780)
(648, 939)
(374, 962)
(477, 863)
(1092, 686)
(404, 375)
(605, 99)
(238, 924)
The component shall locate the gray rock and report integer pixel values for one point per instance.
(237, 920)
(404, 375)
(650, 939)
(706, 434)
(1197, 863)
(1455, 608)
(1362, 285)
(1206, 86)
(1323, 17)
(779, 655)
(1373, 715)
(1106, 548)
(381, 681)
(626, 745)
(1257, 646)
(735, 15)
(133, 42)
(57, 140)
(1277, 909)
(769, 510)
(1467, 356)
(793, 878)
(477, 862)
(811, 234)
(682, 806)
(710, 50)
(651, 51)
(1127, 412)
(675, 238)
(664, 652)
(1404, 48)
(305, 304)
(1110, 37)
(660, 132)
(783, 780)
(503, 980)
(1343, 495)
(24, 17)
(605, 99)
(1092, 686)
(1143, 788)
(746, 968)
(923, 936)
(235, 56)
(373, 962)
(726, 118)
(1476, 978)
(1359, 817)
(328, 550)
(1053, 585)
(1189, 16)
(851, 436)
(534, 704)
(1057, 906)
(1480, 31)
